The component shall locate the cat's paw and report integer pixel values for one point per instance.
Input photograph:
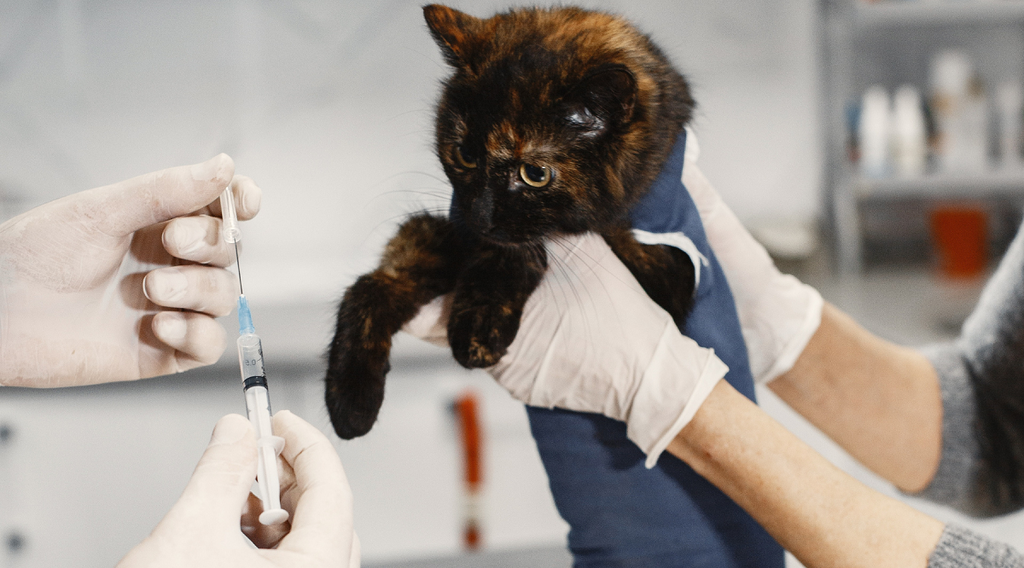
(354, 390)
(479, 336)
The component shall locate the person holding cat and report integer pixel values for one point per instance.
(122, 283)
(939, 423)
(553, 126)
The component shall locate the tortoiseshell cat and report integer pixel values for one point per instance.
(555, 121)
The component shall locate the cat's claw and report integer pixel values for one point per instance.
(478, 355)
(479, 341)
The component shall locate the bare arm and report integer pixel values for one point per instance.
(879, 401)
(817, 512)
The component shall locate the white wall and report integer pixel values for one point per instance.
(328, 105)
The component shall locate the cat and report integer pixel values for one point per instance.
(555, 121)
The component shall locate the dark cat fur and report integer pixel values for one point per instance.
(581, 93)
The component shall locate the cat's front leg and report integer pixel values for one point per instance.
(664, 272)
(419, 263)
(488, 302)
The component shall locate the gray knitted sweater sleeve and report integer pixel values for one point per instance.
(981, 471)
(961, 548)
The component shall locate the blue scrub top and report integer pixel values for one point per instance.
(620, 513)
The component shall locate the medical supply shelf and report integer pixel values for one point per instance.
(917, 12)
(890, 43)
(944, 186)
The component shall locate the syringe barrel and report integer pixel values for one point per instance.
(250, 357)
(254, 382)
(257, 406)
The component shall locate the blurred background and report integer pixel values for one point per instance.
(874, 148)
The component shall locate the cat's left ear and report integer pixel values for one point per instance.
(608, 94)
(455, 32)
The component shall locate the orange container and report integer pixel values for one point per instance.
(960, 238)
(467, 413)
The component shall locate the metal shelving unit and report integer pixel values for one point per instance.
(891, 42)
(952, 186)
(901, 13)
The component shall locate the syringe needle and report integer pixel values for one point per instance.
(238, 270)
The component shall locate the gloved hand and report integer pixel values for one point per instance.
(778, 313)
(202, 529)
(120, 282)
(592, 341)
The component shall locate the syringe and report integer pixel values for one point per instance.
(254, 385)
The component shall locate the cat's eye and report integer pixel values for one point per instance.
(536, 176)
(465, 157)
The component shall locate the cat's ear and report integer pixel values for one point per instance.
(605, 95)
(455, 32)
(611, 90)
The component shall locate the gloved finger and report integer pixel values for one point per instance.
(198, 239)
(197, 338)
(123, 208)
(147, 246)
(357, 552)
(247, 196)
(213, 498)
(322, 521)
(192, 287)
(263, 536)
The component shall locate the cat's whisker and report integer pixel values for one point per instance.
(589, 263)
(414, 193)
(394, 219)
(570, 277)
(592, 263)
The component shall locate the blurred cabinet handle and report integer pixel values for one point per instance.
(15, 542)
(6, 432)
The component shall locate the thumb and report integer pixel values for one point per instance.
(127, 206)
(220, 484)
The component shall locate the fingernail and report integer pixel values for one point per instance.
(166, 286)
(170, 326)
(211, 169)
(145, 287)
(229, 430)
(251, 198)
(187, 237)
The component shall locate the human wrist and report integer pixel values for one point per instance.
(676, 382)
(789, 336)
(695, 443)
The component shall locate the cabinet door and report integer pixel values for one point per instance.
(86, 473)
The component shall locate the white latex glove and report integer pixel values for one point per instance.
(205, 527)
(592, 341)
(778, 313)
(120, 282)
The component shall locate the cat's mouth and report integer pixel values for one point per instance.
(497, 234)
(503, 237)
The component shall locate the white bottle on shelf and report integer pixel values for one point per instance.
(909, 134)
(873, 132)
(956, 111)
